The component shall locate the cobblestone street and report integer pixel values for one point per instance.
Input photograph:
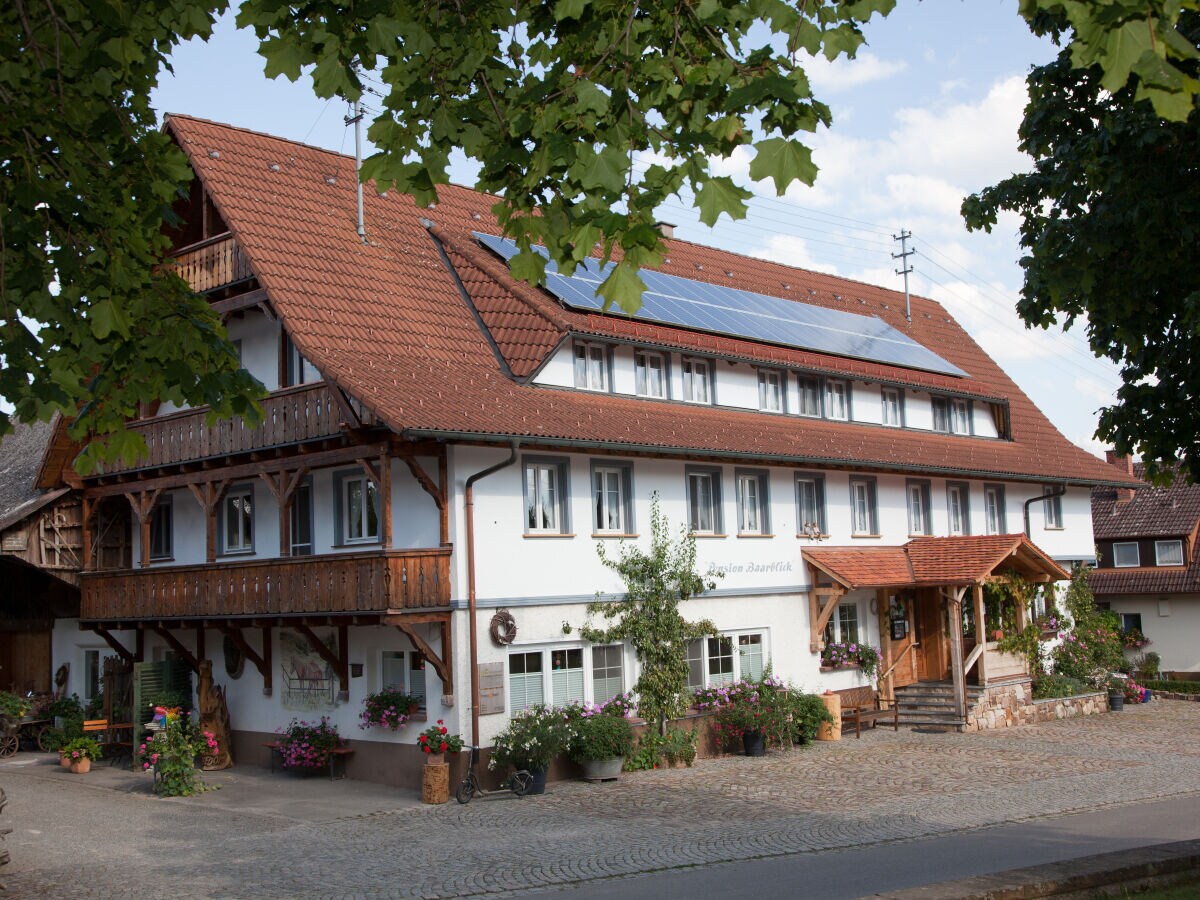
(77, 838)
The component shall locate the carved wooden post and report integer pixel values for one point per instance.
(283, 486)
(980, 633)
(214, 717)
(385, 499)
(209, 495)
(142, 503)
(957, 675)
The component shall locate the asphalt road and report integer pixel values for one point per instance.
(909, 864)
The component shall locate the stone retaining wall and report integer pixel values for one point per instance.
(1007, 705)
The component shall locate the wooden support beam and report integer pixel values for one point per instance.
(209, 495)
(339, 662)
(350, 417)
(823, 600)
(89, 506)
(980, 631)
(957, 674)
(443, 488)
(120, 649)
(885, 645)
(282, 485)
(142, 503)
(262, 661)
(439, 662)
(177, 646)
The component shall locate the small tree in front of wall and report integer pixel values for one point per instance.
(656, 581)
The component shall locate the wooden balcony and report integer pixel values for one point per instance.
(291, 416)
(373, 582)
(212, 264)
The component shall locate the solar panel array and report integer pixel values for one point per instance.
(698, 305)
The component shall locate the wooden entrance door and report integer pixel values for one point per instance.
(933, 662)
(897, 618)
(25, 661)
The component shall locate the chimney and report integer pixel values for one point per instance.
(1125, 464)
(666, 229)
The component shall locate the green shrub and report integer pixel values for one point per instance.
(1056, 685)
(679, 745)
(532, 738)
(646, 754)
(600, 737)
(82, 748)
(13, 705)
(808, 712)
(1175, 686)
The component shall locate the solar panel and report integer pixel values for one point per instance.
(697, 305)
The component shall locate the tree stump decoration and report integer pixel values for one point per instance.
(214, 717)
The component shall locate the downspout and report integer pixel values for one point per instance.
(1057, 492)
(469, 504)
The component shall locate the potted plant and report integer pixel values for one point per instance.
(1115, 685)
(171, 752)
(436, 741)
(81, 751)
(13, 705)
(839, 655)
(304, 747)
(531, 740)
(600, 742)
(679, 745)
(749, 712)
(388, 709)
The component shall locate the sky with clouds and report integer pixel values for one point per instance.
(927, 113)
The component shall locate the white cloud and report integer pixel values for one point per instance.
(846, 74)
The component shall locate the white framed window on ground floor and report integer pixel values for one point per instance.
(403, 670)
(726, 658)
(564, 675)
(843, 627)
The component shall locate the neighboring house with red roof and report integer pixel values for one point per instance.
(441, 438)
(1148, 568)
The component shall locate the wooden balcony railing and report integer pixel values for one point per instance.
(212, 264)
(363, 583)
(290, 416)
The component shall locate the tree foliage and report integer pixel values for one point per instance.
(1110, 219)
(552, 98)
(657, 581)
(88, 324)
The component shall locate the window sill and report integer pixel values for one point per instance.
(1054, 528)
(350, 545)
(752, 534)
(823, 536)
(225, 553)
(701, 535)
(619, 535)
(919, 534)
(865, 536)
(549, 534)
(849, 667)
(162, 559)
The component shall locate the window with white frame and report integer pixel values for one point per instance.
(525, 680)
(940, 407)
(545, 495)
(864, 517)
(995, 517)
(837, 399)
(649, 374)
(358, 508)
(1126, 555)
(576, 675)
(300, 521)
(697, 380)
(958, 507)
(808, 399)
(704, 499)
(608, 678)
(843, 625)
(713, 660)
(403, 671)
(296, 369)
(893, 415)
(770, 390)
(1168, 553)
(93, 672)
(237, 526)
(960, 416)
(919, 519)
(612, 498)
(162, 529)
(1052, 512)
(591, 367)
(752, 501)
(810, 504)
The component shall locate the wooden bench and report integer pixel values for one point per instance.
(335, 755)
(112, 747)
(861, 706)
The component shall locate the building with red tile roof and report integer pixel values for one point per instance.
(443, 447)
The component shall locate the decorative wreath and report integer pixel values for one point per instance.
(235, 659)
(503, 628)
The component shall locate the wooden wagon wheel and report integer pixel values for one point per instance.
(9, 744)
(42, 736)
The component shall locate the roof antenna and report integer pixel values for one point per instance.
(355, 119)
(904, 254)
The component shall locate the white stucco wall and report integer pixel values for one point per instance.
(1170, 623)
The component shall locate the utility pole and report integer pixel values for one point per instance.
(905, 268)
(355, 119)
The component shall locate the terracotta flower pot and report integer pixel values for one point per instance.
(81, 766)
(64, 760)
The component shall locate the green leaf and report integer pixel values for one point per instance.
(528, 266)
(623, 287)
(569, 9)
(1124, 47)
(721, 195)
(784, 161)
(284, 57)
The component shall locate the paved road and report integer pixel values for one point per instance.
(274, 836)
